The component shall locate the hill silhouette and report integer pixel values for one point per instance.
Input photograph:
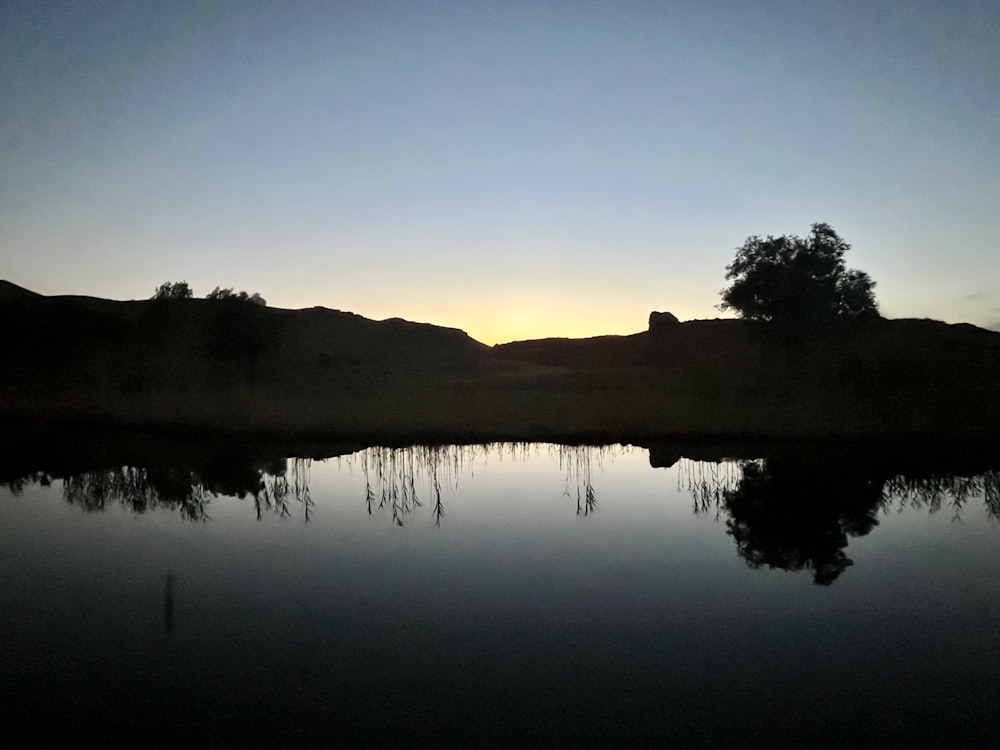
(229, 365)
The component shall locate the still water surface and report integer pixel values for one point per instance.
(533, 595)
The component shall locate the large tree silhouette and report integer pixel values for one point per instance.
(799, 283)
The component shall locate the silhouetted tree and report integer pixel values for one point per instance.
(219, 293)
(173, 290)
(797, 282)
(228, 294)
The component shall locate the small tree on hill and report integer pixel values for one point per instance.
(228, 293)
(218, 293)
(173, 290)
(798, 283)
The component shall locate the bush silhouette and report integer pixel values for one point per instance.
(228, 294)
(173, 290)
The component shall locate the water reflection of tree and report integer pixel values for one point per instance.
(189, 491)
(17, 485)
(783, 513)
(398, 480)
(799, 514)
(796, 516)
(140, 490)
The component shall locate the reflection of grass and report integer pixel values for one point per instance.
(396, 479)
(944, 491)
(392, 475)
(709, 483)
(139, 490)
(577, 461)
(142, 490)
(800, 514)
(275, 491)
(390, 481)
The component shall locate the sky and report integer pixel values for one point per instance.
(516, 169)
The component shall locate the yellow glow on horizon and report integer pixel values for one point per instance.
(522, 324)
(499, 319)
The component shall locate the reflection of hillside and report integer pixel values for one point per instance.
(799, 514)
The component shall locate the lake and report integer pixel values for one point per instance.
(499, 595)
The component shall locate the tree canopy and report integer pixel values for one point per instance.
(802, 283)
(228, 293)
(181, 290)
(173, 290)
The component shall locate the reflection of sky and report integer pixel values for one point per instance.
(514, 609)
(515, 170)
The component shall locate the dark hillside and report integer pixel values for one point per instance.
(173, 360)
(234, 365)
(901, 348)
(13, 293)
(597, 352)
(62, 329)
(683, 343)
(882, 377)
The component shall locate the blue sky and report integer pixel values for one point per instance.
(515, 169)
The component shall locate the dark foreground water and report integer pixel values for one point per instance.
(500, 596)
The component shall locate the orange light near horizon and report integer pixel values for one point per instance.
(506, 326)
(498, 321)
